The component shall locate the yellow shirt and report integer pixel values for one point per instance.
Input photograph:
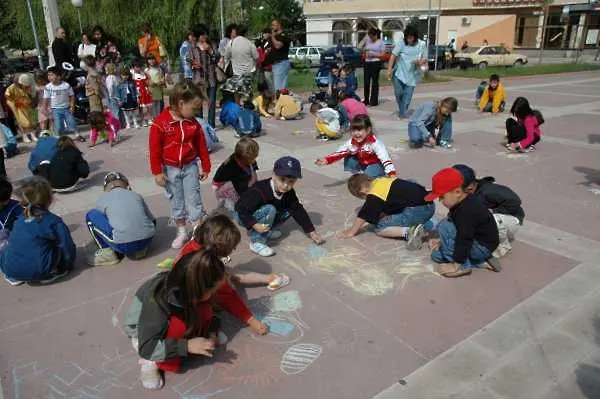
(286, 107)
(259, 103)
(496, 97)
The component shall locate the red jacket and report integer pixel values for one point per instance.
(226, 296)
(370, 151)
(176, 143)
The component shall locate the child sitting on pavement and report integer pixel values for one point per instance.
(248, 122)
(363, 152)
(396, 207)
(286, 106)
(352, 106)
(236, 173)
(10, 210)
(230, 111)
(427, 118)
(492, 99)
(44, 150)
(66, 167)
(40, 247)
(523, 128)
(503, 202)
(327, 121)
(271, 202)
(263, 101)
(221, 234)
(469, 236)
(121, 224)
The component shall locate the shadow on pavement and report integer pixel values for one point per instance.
(588, 375)
(592, 176)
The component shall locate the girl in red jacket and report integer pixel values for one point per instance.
(172, 316)
(176, 142)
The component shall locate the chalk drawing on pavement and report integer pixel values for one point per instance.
(254, 365)
(299, 357)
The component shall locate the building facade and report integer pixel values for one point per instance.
(570, 24)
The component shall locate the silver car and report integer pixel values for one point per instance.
(306, 54)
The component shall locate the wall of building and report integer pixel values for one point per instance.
(495, 29)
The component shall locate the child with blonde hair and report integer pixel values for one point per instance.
(177, 151)
(40, 247)
(19, 97)
(112, 84)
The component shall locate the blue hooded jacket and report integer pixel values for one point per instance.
(44, 151)
(229, 113)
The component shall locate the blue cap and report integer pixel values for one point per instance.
(288, 166)
(467, 172)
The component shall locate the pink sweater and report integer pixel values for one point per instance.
(354, 107)
(532, 130)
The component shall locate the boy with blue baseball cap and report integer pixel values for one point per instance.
(271, 202)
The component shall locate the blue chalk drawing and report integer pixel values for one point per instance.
(288, 301)
(316, 251)
(279, 327)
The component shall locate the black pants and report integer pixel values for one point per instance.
(2, 167)
(372, 69)
(515, 132)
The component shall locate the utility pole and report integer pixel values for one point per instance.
(437, 34)
(222, 20)
(35, 36)
(543, 39)
(428, 24)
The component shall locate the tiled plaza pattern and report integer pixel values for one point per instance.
(362, 317)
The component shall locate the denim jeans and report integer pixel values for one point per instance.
(101, 232)
(403, 93)
(445, 134)
(490, 106)
(183, 188)
(113, 106)
(351, 164)
(410, 216)
(445, 254)
(267, 214)
(212, 106)
(280, 74)
(61, 117)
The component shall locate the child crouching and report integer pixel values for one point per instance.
(40, 247)
(396, 207)
(327, 121)
(103, 122)
(172, 315)
(121, 223)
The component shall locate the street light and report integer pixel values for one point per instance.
(78, 4)
(35, 36)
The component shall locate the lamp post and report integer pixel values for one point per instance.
(35, 36)
(222, 20)
(78, 4)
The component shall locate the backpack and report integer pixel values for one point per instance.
(10, 141)
(248, 124)
(538, 115)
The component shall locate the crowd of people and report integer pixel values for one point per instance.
(172, 314)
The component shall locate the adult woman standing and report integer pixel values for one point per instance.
(85, 48)
(242, 54)
(278, 56)
(375, 48)
(409, 58)
(202, 61)
(184, 51)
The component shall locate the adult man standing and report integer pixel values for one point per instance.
(61, 48)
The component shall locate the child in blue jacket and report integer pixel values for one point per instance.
(40, 247)
(248, 122)
(230, 112)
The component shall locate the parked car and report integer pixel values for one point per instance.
(17, 65)
(482, 57)
(306, 55)
(444, 58)
(351, 55)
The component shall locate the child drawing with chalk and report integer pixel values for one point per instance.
(397, 208)
(271, 202)
(172, 315)
(363, 152)
(220, 233)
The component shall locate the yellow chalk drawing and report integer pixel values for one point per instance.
(370, 281)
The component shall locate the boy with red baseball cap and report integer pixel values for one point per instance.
(469, 235)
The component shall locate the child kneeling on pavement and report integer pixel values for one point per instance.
(121, 224)
(502, 201)
(271, 202)
(396, 207)
(469, 236)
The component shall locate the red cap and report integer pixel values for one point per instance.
(443, 182)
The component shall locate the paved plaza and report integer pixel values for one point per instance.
(363, 318)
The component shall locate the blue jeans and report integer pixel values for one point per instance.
(411, 216)
(212, 106)
(403, 93)
(445, 134)
(490, 106)
(280, 74)
(101, 232)
(351, 164)
(61, 117)
(267, 214)
(183, 189)
(445, 254)
(113, 106)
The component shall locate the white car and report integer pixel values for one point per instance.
(306, 54)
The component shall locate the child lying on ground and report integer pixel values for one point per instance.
(504, 203)
(396, 207)
(469, 236)
(363, 152)
(271, 202)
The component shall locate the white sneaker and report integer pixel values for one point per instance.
(180, 240)
(128, 126)
(261, 249)
(136, 125)
(150, 375)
